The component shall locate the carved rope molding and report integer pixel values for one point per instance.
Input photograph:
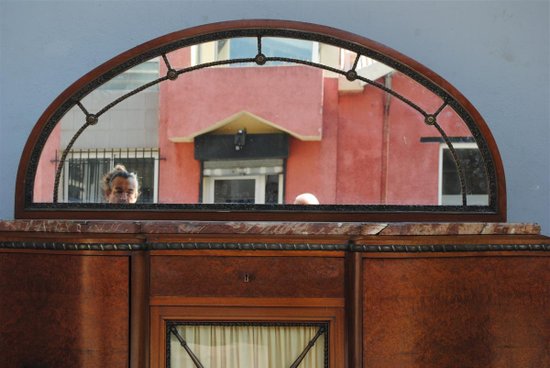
(385, 248)
(247, 246)
(71, 246)
(446, 248)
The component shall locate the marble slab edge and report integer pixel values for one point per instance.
(268, 228)
(464, 228)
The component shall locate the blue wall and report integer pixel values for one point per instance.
(495, 52)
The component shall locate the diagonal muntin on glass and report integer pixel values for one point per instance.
(172, 330)
(310, 345)
(183, 343)
(261, 59)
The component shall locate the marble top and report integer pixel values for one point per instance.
(268, 228)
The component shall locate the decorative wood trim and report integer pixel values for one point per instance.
(58, 246)
(161, 314)
(383, 247)
(354, 309)
(449, 248)
(246, 302)
(248, 253)
(248, 246)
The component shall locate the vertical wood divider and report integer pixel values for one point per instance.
(354, 309)
(139, 309)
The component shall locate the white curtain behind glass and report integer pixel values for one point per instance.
(247, 346)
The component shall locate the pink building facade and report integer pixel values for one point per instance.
(358, 145)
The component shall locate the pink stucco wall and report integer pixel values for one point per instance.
(356, 163)
(359, 156)
(287, 97)
(45, 172)
(312, 166)
(413, 169)
(179, 172)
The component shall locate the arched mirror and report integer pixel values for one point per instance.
(236, 120)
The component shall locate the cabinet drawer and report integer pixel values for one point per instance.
(227, 276)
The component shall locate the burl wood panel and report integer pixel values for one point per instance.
(311, 277)
(457, 312)
(63, 310)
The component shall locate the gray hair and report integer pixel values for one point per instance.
(118, 171)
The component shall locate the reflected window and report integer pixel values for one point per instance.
(247, 48)
(84, 170)
(475, 176)
(139, 75)
(274, 47)
(236, 190)
(83, 179)
(243, 181)
(348, 59)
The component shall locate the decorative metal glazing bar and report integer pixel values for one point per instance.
(301, 357)
(183, 343)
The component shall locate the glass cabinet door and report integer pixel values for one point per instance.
(246, 345)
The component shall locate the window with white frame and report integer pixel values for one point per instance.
(474, 175)
(247, 47)
(243, 181)
(135, 77)
(84, 169)
(274, 46)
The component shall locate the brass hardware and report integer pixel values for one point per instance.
(92, 119)
(430, 120)
(172, 74)
(247, 277)
(260, 59)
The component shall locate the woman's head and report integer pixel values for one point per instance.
(120, 186)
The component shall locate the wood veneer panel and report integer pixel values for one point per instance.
(298, 277)
(63, 310)
(456, 312)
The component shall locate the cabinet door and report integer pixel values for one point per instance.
(64, 309)
(242, 336)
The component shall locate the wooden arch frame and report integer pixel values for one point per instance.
(26, 209)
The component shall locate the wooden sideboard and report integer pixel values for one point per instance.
(99, 293)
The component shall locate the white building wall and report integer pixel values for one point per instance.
(133, 123)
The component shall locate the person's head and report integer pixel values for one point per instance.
(306, 198)
(120, 186)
